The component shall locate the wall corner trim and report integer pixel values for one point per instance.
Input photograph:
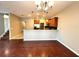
(69, 48)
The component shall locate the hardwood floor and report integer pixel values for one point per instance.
(16, 48)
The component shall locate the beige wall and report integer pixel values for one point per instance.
(15, 27)
(29, 23)
(69, 26)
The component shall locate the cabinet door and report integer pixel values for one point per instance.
(41, 25)
(55, 21)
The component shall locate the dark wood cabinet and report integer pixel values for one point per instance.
(52, 23)
(41, 25)
(48, 24)
(55, 22)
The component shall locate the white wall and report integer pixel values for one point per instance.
(6, 23)
(69, 26)
(36, 35)
(1, 24)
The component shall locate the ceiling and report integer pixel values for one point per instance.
(24, 8)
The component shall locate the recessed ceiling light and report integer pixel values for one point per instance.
(29, 15)
(43, 15)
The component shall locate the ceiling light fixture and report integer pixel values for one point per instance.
(44, 5)
(29, 15)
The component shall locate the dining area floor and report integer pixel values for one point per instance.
(19, 48)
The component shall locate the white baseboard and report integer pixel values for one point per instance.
(38, 39)
(16, 37)
(68, 47)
